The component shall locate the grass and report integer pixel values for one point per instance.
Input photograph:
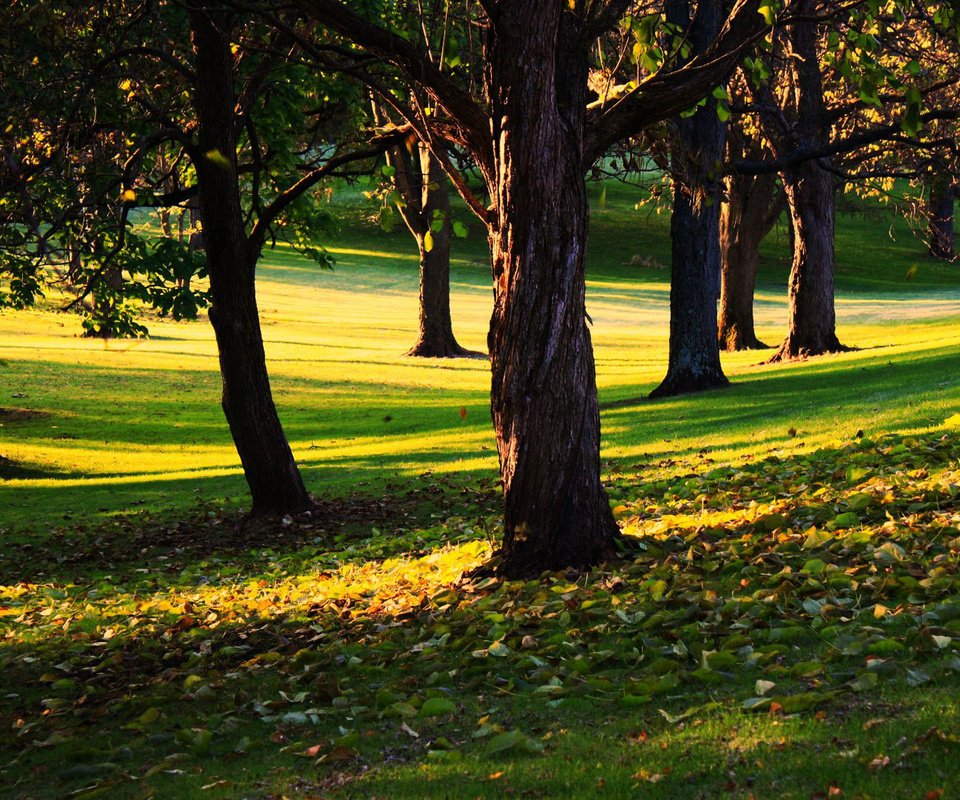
(790, 626)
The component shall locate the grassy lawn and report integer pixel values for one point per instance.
(788, 624)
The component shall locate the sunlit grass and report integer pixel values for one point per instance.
(122, 418)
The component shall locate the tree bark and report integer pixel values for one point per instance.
(750, 211)
(697, 156)
(268, 464)
(544, 394)
(940, 209)
(812, 321)
(811, 327)
(425, 189)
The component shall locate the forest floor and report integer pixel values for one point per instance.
(787, 621)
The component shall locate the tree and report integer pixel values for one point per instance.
(697, 144)
(870, 56)
(751, 207)
(941, 192)
(234, 102)
(533, 138)
(422, 193)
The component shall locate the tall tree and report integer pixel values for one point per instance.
(752, 204)
(697, 170)
(533, 138)
(233, 101)
(852, 76)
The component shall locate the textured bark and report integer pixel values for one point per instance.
(425, 189)
(268, 464)
(530, 142)
(940, 209)
(750, 211)
(544, 394)
(811, 327)
(697, 155)
(812, 321)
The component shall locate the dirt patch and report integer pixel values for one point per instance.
(8, 415)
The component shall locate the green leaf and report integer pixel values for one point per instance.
(769, 13)
(437, 706)
(513, 740)
(218, 159)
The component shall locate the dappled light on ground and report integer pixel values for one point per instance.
(761, 606)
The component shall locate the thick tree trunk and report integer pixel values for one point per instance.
(268, 464)
(811, 327)
(544, 394)
(940, 209)
(698, 150)
(435, 338)
(812, 316)
(745, 219)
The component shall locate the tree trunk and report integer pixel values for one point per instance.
(745, 219)
(811, 327)
(698, 149)
(435, 338)
(268, 464)
(812, 317)
(940, 209)
(544, 394)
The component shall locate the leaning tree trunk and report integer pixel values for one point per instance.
(698, 149)
(435, 338)
(940, 209)
(745, 219)
(544, 393)
(812, 321)
(268, 464)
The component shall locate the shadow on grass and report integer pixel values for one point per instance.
(171, 542)
(344, 648)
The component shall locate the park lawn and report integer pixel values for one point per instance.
(786, 622)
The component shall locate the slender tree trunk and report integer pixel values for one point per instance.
(940, 209)
(745, 219)
(544, 394)
(435, 338)
(811, 327)
(698, 150)
(268, 464)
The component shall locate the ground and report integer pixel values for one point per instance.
(786, 621)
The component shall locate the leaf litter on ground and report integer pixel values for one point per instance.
(797, 584)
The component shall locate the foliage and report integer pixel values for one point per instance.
(102, 122)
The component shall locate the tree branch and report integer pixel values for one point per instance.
(666, 94)
(400, 52)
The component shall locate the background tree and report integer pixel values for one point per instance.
(862, 56)
(697, 144)
(752, 205)
(420, 191)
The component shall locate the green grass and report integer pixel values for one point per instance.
(798, 529)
